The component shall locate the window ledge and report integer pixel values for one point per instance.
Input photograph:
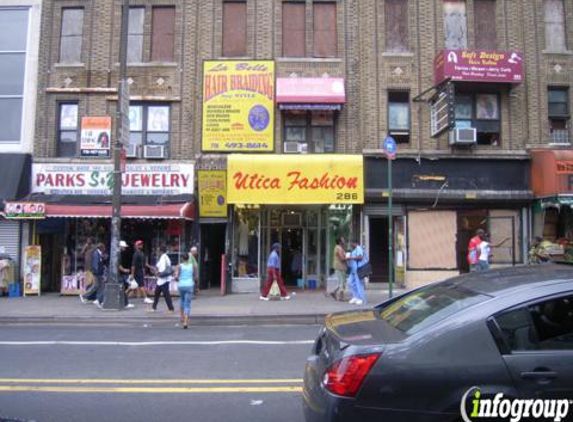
(558, 53)
(390, 54)
(308, 60)
(150, 64)
(72, 65)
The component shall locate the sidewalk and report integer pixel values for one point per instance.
(209, 308)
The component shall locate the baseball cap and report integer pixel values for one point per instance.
(276, 246)
(122, 244)
(139, 242)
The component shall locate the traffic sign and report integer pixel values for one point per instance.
(389, 146)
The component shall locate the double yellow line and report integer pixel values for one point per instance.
(155, 386)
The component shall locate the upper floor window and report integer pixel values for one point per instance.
(71, 35)
(455, 24)
(399, 116)
(150, 126)
(67, 129)
(396, 24)
(555, 39)
(484, 24)
(558, 113)
(294, 29)
(308, 131)
(482, 112)
(135, 35)
(324, 29)
(13, 46)
(162, 34)
(234, 29)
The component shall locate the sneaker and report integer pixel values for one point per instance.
(129, 306)
(266, 299)
(99, 305)
(287, 297)
(359, 302)
(353, 300)
(333, 294)
(150, 310)
(147, 300)
(83, 299)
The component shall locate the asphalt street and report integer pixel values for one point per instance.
(160, 372)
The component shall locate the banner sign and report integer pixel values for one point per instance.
(73, 284)
(32, 270)
(25, 210)
(164, 179)
(95, 137)
(212, 193)
(295, 179)
(478, 66)
(238, 105)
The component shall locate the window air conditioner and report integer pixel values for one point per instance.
(157, 152)
(463, 136)
(132, 151)
(291, 148)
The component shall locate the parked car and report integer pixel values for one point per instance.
(416, 357)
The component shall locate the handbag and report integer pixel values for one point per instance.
(365, 270)
(168, 271)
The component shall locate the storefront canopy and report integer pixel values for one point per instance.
(310, 91)
(138, 207)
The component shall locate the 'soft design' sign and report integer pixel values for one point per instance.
(238, 105)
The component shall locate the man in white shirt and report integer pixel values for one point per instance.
(164, 277)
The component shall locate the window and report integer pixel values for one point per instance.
(324, 29)
(234, 29)
(135, 35)
(484, 23)
(309, 131)
(162, 34)
(396, 19)
(399, 116)
(558, 113)
(480, 111)
(71, 38)
(554, 25)
(67, 129)
(13, 44)
(546, 325)
(455, 25)
(294, 29)
(150, 125)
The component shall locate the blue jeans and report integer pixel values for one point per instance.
(185, 294)
(356, 286)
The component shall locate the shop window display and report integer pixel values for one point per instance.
(246, 243)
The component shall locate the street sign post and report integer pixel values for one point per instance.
(389, 146)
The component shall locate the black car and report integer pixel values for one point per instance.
(433, 353)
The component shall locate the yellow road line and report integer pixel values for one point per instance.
(147, 381)
(57, 389)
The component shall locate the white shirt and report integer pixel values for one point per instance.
(162, 265)
(484, 251)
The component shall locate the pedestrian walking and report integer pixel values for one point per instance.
(87, 252)
(164, 273)
(97, 269)
(124, 272)
(193, 253)
(354, 261)
(340, 267)
(485, 254)
(274, 274)
(138, 266)
(473, 252)
(186, 276)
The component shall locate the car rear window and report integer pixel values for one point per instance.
(426, 306)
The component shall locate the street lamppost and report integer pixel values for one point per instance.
(113, 290)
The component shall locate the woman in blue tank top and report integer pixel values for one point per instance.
(185, 274)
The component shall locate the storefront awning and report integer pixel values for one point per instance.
(557, 201)
(551, 172)
(310, 91)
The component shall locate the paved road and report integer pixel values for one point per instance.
(152, 373)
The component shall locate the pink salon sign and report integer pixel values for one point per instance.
(479, 66)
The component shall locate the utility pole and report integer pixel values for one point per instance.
(113, 290)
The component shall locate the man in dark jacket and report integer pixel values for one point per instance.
(97, 268)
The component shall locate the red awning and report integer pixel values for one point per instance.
(311, 90)
(165, 211)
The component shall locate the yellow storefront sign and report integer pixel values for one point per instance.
(212, 193)
(238, 105)
(295, 179)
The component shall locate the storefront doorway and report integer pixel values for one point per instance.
(211, 251)
(379, 249)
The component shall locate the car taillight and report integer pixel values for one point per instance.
(345, 377)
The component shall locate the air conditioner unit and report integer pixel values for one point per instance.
(132, 151)
(291, 148)
(463, 136)
(156, 152)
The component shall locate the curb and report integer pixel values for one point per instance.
(197, 320)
